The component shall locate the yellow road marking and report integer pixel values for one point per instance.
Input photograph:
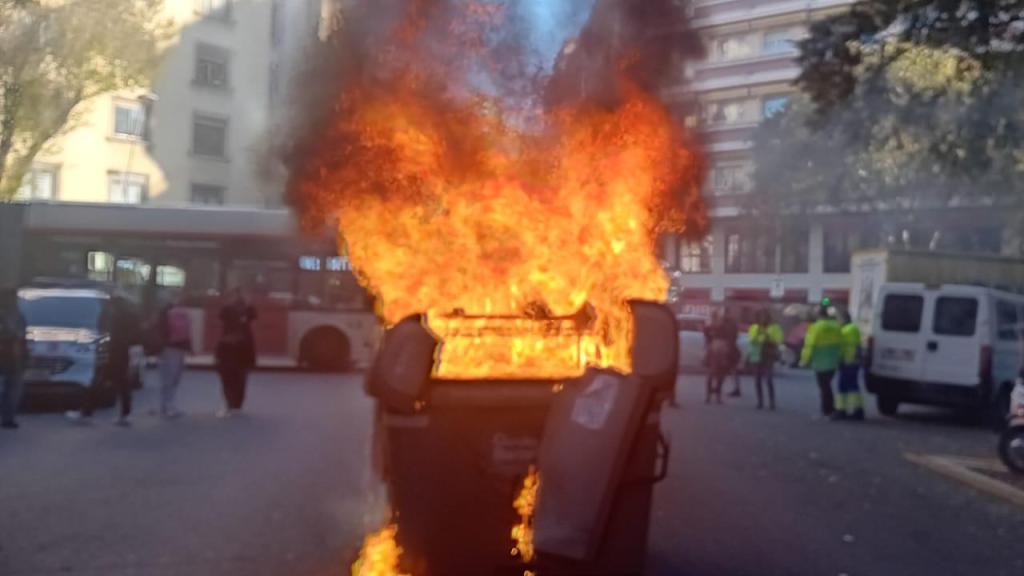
(959, 468)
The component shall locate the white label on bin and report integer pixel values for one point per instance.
(593, 406)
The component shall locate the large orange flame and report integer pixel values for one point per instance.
(521, 236)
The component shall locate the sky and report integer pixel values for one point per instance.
(553, 22)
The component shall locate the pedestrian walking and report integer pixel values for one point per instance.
(720, 342)
(13, 354)
(764, 339)
(175, 327)
(850, 402)
(125, 333)
(728, 333)
(236, 350)
(822, 352)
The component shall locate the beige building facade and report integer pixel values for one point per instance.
(201, 133)
(748, 76)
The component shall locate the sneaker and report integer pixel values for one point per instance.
(9, 425)
(77, 417)
(837, 416)
(173, 414)
(122, 421)
(734, 394)
(225, 413)
(857, 416)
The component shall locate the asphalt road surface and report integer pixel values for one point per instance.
(286, 489)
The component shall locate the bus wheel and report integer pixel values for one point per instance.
(325, 349)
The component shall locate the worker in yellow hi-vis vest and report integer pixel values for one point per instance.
(849, 402)
(822, 352)
(763, 341)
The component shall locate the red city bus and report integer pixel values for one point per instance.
(311, 310)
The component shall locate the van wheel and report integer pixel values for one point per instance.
(888, 406)
(325, 349)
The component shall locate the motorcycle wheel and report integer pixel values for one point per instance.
(1011, 449)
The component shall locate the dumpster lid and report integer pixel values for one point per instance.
(588, 438)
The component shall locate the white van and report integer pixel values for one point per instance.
(951, 345)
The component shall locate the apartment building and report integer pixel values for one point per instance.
(201, 133)
(747, 77)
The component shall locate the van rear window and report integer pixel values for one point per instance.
(1007, 323)
(955, 316)
(902, 313)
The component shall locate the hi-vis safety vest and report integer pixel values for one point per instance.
(823, 346)
(851, 343)
(757, 338)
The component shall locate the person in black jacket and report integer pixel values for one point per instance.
(13, 353)
(125, 332)
(236, 351)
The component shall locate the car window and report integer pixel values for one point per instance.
(62, 311)
(902, 313)
(955, 316)
(1007, 321)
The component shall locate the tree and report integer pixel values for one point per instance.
(57, 55)
(904, 106)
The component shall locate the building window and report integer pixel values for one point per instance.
(39, 183)
(773, 105)
(214, 8)
(794, 251)
(727, 179)
(780, 41)
(695, 257)
(127, 188)
(840, 244)
(733, 47)
(209, 136)
(129, 119)
(211, 66)
(725, 112)
(207, 194)
(748, 252)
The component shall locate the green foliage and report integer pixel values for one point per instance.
(904, 105)
(55, 55)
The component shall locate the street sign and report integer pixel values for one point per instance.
(778, 289)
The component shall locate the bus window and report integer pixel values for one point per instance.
(132, 275)
(310, 289)
(100, 266)
(267, 279)
(345, 293)
(170, 282)
(202, 278)
(170, 276)
(48, 260)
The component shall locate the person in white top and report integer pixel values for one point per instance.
(176, 330)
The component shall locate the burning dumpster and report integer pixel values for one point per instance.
(506, 214)
(456, 452)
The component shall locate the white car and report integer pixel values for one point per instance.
(68, 336)
(692, 344)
